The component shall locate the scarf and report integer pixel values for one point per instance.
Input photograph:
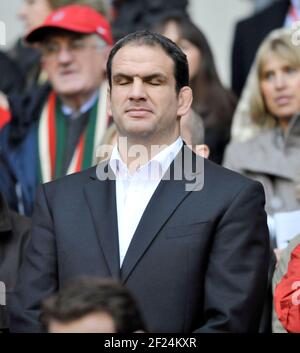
(52, 134)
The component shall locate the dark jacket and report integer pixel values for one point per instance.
(249, 33)
(18, 150)
(28, 60)
(11, 76)
(14, 236)
(197, 261)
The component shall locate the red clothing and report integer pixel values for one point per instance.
(5, 117)
(287, 295)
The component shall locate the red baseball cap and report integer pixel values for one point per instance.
(74, 18)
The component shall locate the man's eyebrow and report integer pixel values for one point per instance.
(146, 77)
(155, 75)
(120, 75)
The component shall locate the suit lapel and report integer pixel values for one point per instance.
(101, 199)
(165, 200)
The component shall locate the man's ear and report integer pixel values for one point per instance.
(108, 100)
(185, 98)
(202, 150)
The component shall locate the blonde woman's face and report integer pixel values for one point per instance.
(280, 87)
(190, 50)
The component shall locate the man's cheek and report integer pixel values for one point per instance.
(44, 63)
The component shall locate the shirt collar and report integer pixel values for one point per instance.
(163, 159)
(83, 109)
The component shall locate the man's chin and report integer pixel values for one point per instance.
(68, 91)
(140, 133)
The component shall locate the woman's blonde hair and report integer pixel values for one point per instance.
(279, 43)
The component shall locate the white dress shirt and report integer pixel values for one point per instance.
(134, 191)
(83, 109)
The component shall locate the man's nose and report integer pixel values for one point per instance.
(64, 55)
(137, 90)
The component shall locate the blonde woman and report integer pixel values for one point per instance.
(272, 155)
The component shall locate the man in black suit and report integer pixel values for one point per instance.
(249, 33)
(187, 237)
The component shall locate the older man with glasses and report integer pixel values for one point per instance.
(55, 131)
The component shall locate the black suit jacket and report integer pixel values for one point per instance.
(249, 33)
(197, 261)
(14, 237)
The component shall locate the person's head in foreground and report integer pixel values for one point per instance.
(275, 95)
(92, 305)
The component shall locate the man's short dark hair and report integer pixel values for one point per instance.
(86, 295)
(181, 68)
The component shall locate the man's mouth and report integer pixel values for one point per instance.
(138, 112)
(67, 72)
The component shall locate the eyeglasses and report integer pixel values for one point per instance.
(75, 47)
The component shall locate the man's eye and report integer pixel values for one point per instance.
(123, 82)
(51, 48)
(154, 82)
(77, 44)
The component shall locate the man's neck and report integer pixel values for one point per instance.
(74, 103)
(138, 153)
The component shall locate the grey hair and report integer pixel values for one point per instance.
(100, 43)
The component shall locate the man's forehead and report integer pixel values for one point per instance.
(141, 54)
(139, 46)
(56, 34)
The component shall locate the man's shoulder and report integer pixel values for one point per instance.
(76, 181)
(218, 173)
(224, 180)
(215, 175)
(78, 178)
